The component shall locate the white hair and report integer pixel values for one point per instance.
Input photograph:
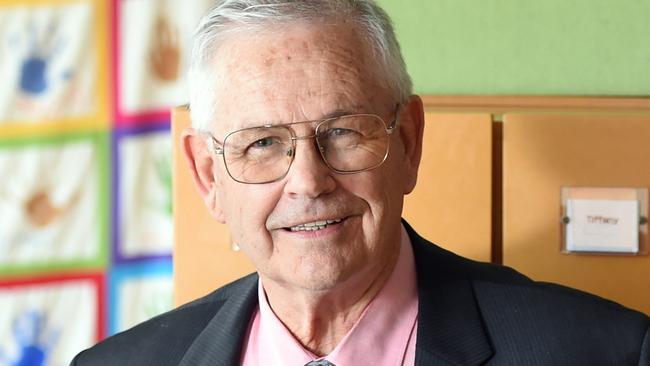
(228, 16)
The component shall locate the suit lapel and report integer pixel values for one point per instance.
(450, 329)
(220, 343)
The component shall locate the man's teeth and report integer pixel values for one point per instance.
(313, 226)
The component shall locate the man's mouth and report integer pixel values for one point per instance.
(314, 226)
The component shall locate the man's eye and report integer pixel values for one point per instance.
(265, 142)
(340, 132)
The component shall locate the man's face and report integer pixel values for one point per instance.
(301, 73)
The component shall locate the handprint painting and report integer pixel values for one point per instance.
(50, 205)
(143, 217)
(29, 333)
(153, 38)
(49, 59)
(139, 291)
(37, 326)
(165, 51)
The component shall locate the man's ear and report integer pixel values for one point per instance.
(411, 131)
(200, 161)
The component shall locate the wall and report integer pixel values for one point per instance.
(579, 47)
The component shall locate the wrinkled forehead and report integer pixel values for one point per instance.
(295, 73)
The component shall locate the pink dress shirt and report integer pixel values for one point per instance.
(384, 335)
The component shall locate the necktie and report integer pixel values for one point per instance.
(320, 363)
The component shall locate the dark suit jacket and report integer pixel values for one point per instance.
(470, 313)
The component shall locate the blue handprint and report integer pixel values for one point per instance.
(32, 79)
(34, 346)
(33, 71)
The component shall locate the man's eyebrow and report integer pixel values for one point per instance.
(342, 112)
(336, 113)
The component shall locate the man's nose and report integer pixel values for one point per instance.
(308, 175)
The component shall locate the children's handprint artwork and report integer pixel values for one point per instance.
(154, 38)
(165, 51)
(37, 327)
(34, 71)
(140, 291)
(144, 194)
(33, 339)
(49, 59)
(50, 206)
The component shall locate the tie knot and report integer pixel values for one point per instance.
(320, 363)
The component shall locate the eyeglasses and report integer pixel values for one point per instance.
(348, 144)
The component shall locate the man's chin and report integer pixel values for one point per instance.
(317, 278)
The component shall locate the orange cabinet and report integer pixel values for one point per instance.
(542, 153)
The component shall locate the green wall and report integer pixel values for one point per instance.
(566, 47)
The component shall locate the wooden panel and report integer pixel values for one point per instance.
(451, 204)
(203, 258)
(544, 152)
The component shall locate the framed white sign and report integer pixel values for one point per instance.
(604, 220)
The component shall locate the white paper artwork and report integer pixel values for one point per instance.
(47, 324)
(146, 226)
(155, 40)
(603, 226)
(48, 58)
(49, 203)
(142, 298)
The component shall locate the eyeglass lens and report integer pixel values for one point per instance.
(347, 144)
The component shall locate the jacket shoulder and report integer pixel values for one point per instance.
(566, 325)
(510, 286)
(548, 321)
(164, 339)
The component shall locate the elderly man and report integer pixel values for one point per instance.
(306, 138)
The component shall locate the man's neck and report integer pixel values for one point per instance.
(320, 319)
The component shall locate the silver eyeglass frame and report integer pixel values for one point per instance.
(217, 147)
